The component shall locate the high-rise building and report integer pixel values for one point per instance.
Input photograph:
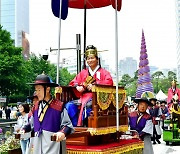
(128, 66)
(71, 64)
(177, 2)
(153, 69)
(14, 17)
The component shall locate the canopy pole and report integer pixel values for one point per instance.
(117, 75)
(85, 9)
(59, 37)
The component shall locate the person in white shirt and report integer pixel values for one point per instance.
(20, 127)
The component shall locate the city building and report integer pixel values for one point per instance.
(128, 66)
(71, 64)
(177, 2)
(153, 69)
(14, 17)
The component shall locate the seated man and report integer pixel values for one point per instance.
(141, 121)
(84, 81)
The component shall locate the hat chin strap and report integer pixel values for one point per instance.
(44, 92)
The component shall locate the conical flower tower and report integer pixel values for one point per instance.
(144, 79)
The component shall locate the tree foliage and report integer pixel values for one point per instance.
(11, 65)
(158, 80)
(125, 80)
(17, 72)
(37, 65)
(129, 83)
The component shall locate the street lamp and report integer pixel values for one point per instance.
(78, 49)
(45, 55)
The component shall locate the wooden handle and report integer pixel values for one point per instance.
(17, 136)
(53, 138)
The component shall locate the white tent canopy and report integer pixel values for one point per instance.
(161, 96)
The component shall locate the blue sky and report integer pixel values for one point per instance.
(155, 17)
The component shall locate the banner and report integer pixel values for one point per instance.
(55, 6)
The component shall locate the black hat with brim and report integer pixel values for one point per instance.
(45, 84)
(153, 99)
(44, 80)
(143, 99)
(163, 101)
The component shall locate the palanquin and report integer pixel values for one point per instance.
(102, 120)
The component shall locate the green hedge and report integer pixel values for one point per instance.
(7, 120)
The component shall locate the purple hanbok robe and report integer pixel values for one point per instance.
(142, 123)
(55, 119)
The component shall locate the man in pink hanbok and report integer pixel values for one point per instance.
(80, 109)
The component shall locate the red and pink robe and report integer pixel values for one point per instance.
(101, 76)
(171, 92)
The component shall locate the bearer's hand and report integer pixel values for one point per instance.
(135, 136)
(22, 131)
(18, 130)
(80, 89)
(89, 87)
(59, 136)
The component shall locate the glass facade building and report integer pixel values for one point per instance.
(14, 17)
(177, 2)
(128, 66)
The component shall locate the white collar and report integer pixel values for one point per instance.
(95, 70)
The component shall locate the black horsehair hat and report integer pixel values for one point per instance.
(44, 80)
(143, 99)
(153, 99)
(163, 101)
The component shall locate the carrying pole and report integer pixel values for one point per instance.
(78, 48)
(59, 38)
(84, 62)
(116, 66)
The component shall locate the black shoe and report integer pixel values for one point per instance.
(154, 142)
(158, 142)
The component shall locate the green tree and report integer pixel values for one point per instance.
(125, 80)
(172, 76)
(164, 85)
(136, 75)
(163, 82)
(156, 77)
(131, 89)
(157, 74)
(11, 65)
(65, 77)
(37, 65)
(129, 84)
